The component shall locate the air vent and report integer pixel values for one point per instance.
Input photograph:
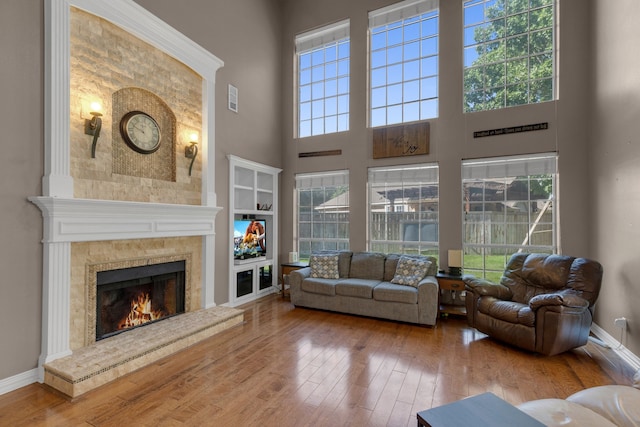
(233, 98)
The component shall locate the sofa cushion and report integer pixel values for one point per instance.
(391, 292)
(344, 260)
(509, 311)
(547, 271)
(618, 403)
(344, 263)
(410, 270)
(391, 262)
(352, 287)
(319, 286)
(559, 412)
(367, 265)
(324, 266)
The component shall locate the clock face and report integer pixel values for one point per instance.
(140, 131)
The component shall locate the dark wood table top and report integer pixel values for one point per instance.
(299, 264)
(483, 410)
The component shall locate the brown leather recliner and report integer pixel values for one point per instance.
(543, 303)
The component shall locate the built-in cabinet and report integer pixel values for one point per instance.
(253, 225)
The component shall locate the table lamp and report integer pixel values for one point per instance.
(455, 262)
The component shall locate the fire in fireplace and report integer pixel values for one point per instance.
(132, 297)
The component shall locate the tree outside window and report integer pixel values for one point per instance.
(508, 53)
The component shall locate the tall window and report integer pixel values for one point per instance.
(403, 209)
(323, 212)
(404, 62)
(508, 53)
(323, 80)
(509, 207)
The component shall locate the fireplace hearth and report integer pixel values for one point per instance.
(137, 296)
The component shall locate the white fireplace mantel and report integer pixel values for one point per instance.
(85, 220)
(81, 220)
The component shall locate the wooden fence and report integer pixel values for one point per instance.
(480, 228)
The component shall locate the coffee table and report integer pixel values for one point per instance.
(483, 410)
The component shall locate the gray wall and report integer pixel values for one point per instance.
(452, 133)
(21, 170)
(614, 172)
(593, 126)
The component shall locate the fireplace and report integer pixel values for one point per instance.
(133, 297)
(75, 213)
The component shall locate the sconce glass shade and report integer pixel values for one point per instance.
(96, 109)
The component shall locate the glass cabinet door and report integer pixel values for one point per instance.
(244, 283)
(265, 277)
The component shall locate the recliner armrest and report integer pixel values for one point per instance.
(484, 287)
(567, 299)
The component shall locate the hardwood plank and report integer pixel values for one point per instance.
(388, 399)
(289, 366)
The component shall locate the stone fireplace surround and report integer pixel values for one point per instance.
(67, 219)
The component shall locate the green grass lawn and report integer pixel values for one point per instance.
(494, 265)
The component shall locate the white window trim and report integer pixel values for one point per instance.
(512, 166)
(306, 181)
(499, 167)
(407, 174)
(322, 179)
(308, 41)
(315, 38)
(393, 13)
(554, 54)
(402, 10)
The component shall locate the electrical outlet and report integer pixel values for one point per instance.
(621, 322)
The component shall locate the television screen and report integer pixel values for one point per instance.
(249, 238)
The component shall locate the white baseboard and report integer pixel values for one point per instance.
(17, 381)
(616, 346)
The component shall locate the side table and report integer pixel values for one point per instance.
(287, 268)
(447, 282)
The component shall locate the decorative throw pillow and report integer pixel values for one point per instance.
(324, 266)
(410, 271)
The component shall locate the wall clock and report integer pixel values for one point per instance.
(140, 131)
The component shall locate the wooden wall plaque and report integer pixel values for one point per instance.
(403, 140)
(320, 153)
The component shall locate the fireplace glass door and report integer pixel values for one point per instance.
(138, 296)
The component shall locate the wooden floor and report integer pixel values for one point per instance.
(300, 367)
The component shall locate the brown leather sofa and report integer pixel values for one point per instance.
(543, 303)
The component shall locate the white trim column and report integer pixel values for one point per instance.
(56, 295)
(57, 181)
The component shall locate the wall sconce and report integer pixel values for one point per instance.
(191, 151)
(455, 262)
(92, 126)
